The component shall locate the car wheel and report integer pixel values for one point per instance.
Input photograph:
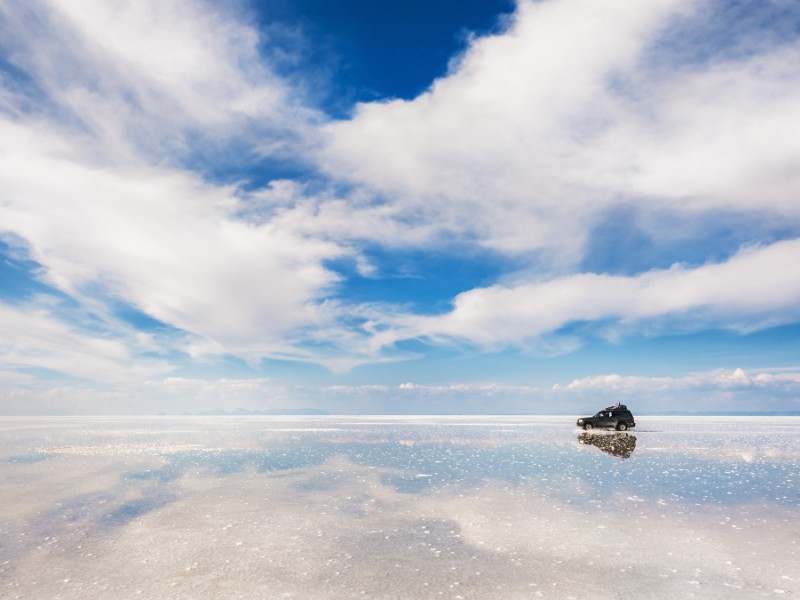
(588, 426)
(622, 426)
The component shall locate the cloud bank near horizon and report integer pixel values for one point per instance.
(148, 211)
(767, 390)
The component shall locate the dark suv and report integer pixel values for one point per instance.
(618, 417)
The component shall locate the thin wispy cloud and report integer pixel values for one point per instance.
(35, 340)
(757, 288)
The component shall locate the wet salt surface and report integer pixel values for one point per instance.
(450, 507)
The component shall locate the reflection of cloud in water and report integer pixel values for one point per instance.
(345, 518)
(120, 449)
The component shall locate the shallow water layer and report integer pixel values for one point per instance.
(398, 508)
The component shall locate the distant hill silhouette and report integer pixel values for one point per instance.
(270, 412)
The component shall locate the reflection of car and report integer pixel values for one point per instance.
(615, 444)
(618, 417)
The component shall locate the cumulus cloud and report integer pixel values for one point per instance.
(94, 185)
(770, 389)
(163, 241)
(742, 389)
(767, 389)
(541, 129)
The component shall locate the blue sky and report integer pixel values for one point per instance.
(455, 207)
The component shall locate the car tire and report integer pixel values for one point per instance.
(588, 426)
(622, 427)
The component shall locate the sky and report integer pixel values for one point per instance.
(458, 207)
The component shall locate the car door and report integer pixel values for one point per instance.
(605, 419)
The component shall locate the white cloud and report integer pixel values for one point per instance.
(165, 242)
(91, 182)
(534, 134)
(721, 136)
(755, 288)
(154, 76)
(765, 389)
(539, 130)
(36, 338)
(757, 389)
(140, 395)
(10, 379)
(787, 379)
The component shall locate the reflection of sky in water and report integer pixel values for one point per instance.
(77, 483)
(719, 467)
(720, 462)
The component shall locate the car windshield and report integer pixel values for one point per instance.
(600, 414)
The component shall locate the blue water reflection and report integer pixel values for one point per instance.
(398, 508)
(709, 462)
(583, 468)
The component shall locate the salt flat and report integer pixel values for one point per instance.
(398, 508)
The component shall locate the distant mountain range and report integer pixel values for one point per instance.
(272, 412)
(672, 413)
(723, 413)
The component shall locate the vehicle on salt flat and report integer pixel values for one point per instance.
(617, 417)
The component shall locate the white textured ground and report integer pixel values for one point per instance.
(396, 509)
